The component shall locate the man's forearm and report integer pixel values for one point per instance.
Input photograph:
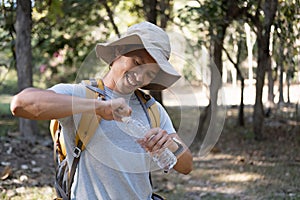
(40, 104)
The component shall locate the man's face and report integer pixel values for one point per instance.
(133, 70)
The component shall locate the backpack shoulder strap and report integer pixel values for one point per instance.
(95, 85)
(89, 121)
(55, 127)
(86, 129)
(150, 106)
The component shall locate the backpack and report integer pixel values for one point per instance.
(86, 129)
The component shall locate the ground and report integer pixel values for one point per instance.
(241, 168)
(238, 167)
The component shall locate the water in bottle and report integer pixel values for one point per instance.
(164, 158)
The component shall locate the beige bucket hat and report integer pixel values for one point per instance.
(156, 42)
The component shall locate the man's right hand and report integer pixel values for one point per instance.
(114, 109)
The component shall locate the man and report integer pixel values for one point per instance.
(114, 165)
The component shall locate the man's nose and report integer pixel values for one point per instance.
(139, 75)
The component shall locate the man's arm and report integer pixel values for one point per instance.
(39, 104)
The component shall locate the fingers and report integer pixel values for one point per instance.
(120, 109)
(114, 109)
(155, 140)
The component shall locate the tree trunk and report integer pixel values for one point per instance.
(241, 77)
(150, 10)
(270, 104)
(263, 43)
(288, 77)
(250, 42)
(281, 99)
(270, 85)
(258, 114)
(216, 66)
(241, 108)
(165, 9)
(23, 59)
(281, 70)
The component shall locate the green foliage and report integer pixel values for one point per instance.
(55, 9)
(134, 7)
(7, 35)
(9, 87)
(65, 31)
(209, 16)
(8, 83)
(287, 29)
(63, 36)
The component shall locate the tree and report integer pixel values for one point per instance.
(238, 47)
(24, 60)
(7, 38)
(216, 16)
(262, 21)
(64, 29)
(56, 25)
(285, 49)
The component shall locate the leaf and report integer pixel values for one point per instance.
(6, 173)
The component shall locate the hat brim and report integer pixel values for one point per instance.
(164, 79)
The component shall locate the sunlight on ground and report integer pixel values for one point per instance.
(238, 177)
(222, 189)
(30, 193)
(219, 156)
(223, 174)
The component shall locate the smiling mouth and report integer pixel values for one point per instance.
(131, 80)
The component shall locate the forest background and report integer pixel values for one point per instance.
(237, 104)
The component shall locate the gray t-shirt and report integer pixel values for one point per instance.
(113, 166)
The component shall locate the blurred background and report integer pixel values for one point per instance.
(236, 105)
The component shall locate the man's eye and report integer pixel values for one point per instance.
(136, 62)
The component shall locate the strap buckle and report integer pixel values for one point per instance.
(76, 152)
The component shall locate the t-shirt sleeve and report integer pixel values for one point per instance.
(69, 89)
(77, 90)
(165, 120)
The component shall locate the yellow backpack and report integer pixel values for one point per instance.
(86, 129)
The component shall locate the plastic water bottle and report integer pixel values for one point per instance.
(164, 158)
